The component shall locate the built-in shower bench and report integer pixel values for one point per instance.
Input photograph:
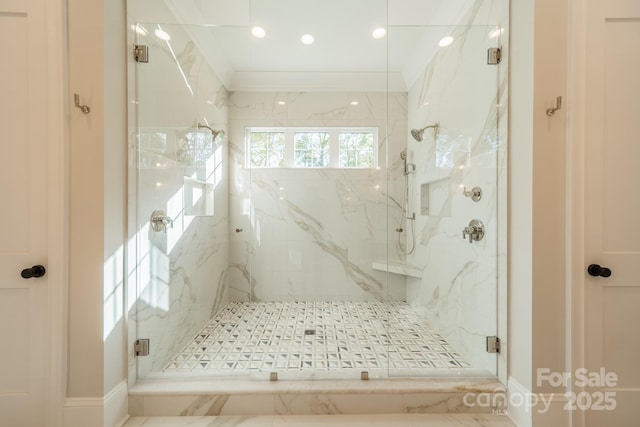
(398, 267)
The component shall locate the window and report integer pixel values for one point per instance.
(357, 150)
(311, 149)
(267, 149)
(351, 148)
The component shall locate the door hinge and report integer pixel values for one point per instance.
(493, 345)
(494, 55)
(141, 347)
(141, 53)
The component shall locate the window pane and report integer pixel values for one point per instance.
(356, 149)
(266, 149)
(311, 149)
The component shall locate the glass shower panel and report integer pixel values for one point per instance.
(179, 149)
(310, 184)
(451, 169)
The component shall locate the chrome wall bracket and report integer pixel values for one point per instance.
(141, 347)
(141, 53)
(494, 56)
(493, 344)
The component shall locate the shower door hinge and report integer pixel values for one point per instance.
(141, 347)
(493, 345)
(494, 55)
(141, 53)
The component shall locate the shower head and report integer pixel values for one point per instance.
(417, 134)
(214, 133)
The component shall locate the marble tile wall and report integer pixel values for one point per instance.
(459, 287)
(312, 234)
(181, 274)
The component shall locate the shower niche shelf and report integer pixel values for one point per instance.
(398, 267)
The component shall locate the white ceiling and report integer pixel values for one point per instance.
(344, 56)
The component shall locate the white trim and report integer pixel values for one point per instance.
(576, 80)
(57, 133)
(83, 412)
(527, 409)
(108, 411)
(116, 405)
(518, 414)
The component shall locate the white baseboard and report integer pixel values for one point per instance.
(520, 414)
(528, 409)
(116, 406)
(108, 411)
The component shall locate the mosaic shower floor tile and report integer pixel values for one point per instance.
(272, 336)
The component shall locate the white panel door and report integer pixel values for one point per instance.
(23, 213)
(612, 214)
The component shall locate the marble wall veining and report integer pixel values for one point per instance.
(312, 234)
(181, 272)
(458, 291)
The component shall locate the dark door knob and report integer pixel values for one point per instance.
(35, 271)
(595, 270)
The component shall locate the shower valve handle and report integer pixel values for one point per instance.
(160, 220)
(475, 193)
(475, 231)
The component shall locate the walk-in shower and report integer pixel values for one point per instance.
(313, 235)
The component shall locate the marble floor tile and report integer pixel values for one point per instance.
(248, 337)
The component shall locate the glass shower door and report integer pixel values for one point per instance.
(179, 160)
(454, 153)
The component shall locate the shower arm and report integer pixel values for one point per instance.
(435, 126)
(214, 132)
(201, 126)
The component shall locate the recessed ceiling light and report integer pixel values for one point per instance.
(354, 103)
(379, 33)
(162, 35)
(282, 102)
(258, 32)
(307, 39)
(446, 41)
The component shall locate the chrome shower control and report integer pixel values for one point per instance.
(475, 231)
(160, 220)
(475, 193)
